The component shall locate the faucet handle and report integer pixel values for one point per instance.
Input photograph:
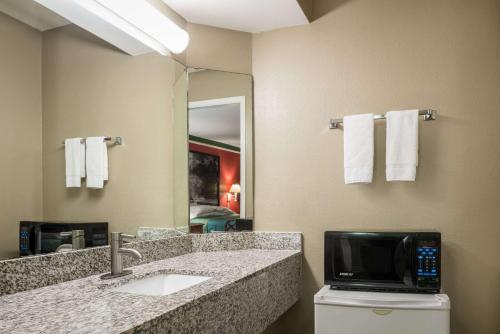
(126, 237)
(117, 238)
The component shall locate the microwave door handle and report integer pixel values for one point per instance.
(408, 254)
(38, 240)
(400, 259)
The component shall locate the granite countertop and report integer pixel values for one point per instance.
(88, 306)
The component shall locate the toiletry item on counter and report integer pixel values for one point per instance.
(74, 152)
(96, 162)
(358, 148)
(402, 145)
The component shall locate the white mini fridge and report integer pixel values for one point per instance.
(357, 312)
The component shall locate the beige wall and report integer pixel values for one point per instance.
(372, 56)
(90, 89)
(209, 85)
(20, 130)
(219, 49)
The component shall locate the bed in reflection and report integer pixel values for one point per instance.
(211, 218)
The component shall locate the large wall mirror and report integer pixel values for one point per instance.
(179, 142)
(57, 82)
(220, 150)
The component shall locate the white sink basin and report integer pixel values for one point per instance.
(161, 285)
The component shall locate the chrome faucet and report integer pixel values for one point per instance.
(117, 253)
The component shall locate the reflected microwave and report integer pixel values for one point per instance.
(383, 261)
(36, 237)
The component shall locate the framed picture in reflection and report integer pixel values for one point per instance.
(204, 178)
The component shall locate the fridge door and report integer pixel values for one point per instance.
(350, 312)
(328, 296)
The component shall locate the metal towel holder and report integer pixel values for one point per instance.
(429, 115)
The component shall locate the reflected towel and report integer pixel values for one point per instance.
(97, 162)
(74, 153)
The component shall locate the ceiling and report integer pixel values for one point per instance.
(220, 123)
(244, 15)
(32, 14)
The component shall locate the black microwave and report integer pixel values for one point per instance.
(383, 261)
(36, 237)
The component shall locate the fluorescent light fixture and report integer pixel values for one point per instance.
(141, 20)
(137, 19)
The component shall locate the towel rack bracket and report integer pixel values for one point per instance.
(118, 141)
(334, 124)
(430, 115)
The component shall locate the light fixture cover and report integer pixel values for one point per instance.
(153, 28)
(134, 26)
(235, 188)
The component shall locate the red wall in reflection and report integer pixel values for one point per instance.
(229, 172)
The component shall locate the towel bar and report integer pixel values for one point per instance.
(115, 140)
(429, 115)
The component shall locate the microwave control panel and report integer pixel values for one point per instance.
(24, 243)
(427, 259)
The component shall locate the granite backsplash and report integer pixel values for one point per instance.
(34, 272)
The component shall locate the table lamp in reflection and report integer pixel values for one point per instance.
(235, 190)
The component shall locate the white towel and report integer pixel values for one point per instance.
(105, 173)
(74, 152)
(97, 162)
(358, 148)
(82, 158)
(402, 145)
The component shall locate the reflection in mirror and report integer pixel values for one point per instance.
(220, 155)
(59, 82)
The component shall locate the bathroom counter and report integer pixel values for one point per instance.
(248, 290)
